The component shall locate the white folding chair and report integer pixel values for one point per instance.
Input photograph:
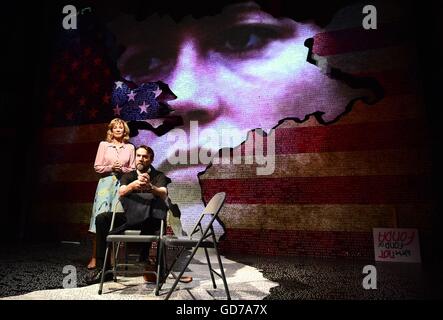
(199, 238)
(130, 236)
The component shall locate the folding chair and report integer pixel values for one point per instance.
(201, 241)
(130, 236)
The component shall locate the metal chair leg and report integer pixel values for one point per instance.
(114, 267)
(100, 289)
(159, 267)
(181, 272)
(126, 256)
(222, 271)
(210, 268)
(166, 270)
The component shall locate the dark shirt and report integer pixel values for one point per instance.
(140, 205)
(158, 178)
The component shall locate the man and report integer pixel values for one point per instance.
(142, 193)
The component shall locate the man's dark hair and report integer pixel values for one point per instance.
(148, 150)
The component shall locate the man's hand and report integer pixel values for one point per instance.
(145, 182)
(137, 185)
(144, 177)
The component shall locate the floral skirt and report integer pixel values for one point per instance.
(106, 196)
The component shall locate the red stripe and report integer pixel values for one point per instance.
(8, 132)
(291, 190)
(69, 153)
(250, 241)
(59, 230)
(69, 192)
(349, 137)
(394, 82)
(298, 242)
(358, 39)
(321, 190)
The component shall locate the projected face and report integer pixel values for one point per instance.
(239, 70)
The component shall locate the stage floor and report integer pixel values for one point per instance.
(35, 271)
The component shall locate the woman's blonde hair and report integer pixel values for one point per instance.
(112, 124)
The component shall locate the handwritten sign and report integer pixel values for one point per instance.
(396, 245)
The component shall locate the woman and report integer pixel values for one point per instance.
(114, 157)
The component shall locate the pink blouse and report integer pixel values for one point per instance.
(108, 153)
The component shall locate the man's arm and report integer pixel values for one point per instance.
(160, 192)
(159, 189)
(127, 187)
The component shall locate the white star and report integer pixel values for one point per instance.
(117, 110)
(131, 96)
(119, 84)
(157, 92)
(143, 107)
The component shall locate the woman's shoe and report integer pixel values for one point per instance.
(92, 264)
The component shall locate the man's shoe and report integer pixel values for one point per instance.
(150, 277)
(96, 277)
(150, 266)
(185, 279)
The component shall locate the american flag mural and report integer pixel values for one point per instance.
(84, 95)
(333, 181)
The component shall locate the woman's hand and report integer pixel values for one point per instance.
(117, 167)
